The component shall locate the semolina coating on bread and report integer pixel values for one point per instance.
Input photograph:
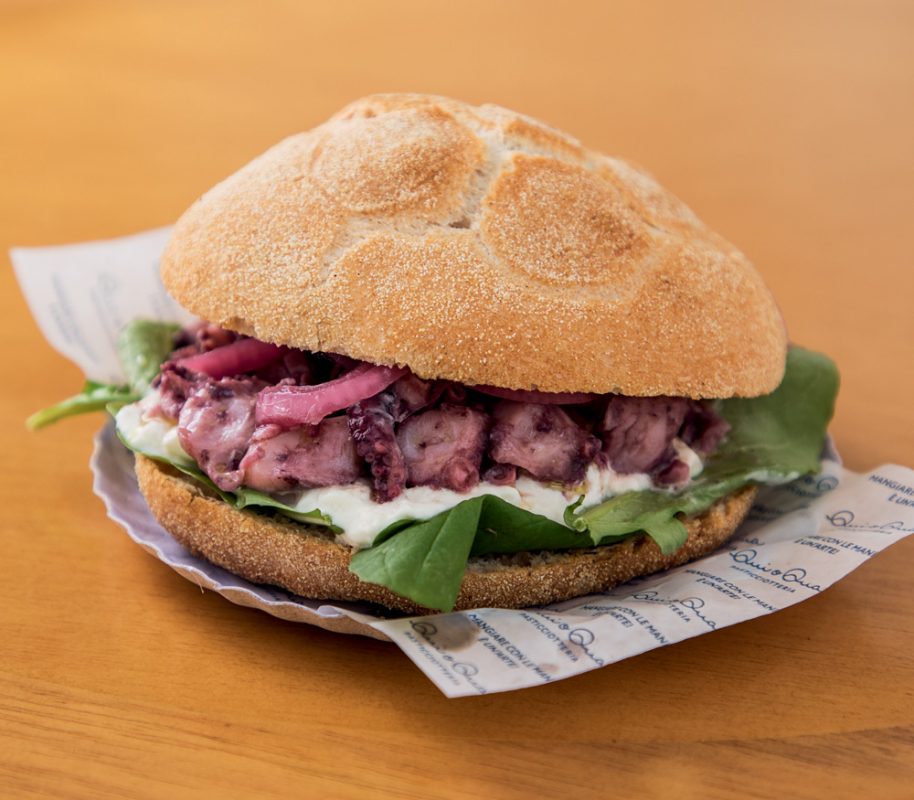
(307, 561)
(478, 245)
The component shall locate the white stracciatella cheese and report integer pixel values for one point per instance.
(361, 518)
(152, 435)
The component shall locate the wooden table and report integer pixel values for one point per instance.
(789, 128)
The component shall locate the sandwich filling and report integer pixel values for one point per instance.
(371, 446)
(422, 476)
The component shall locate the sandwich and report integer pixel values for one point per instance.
(449, 358)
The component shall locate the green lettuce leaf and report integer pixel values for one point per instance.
(417, 559)
(142, 346)
(422, 556)
(773, 439)
(93, 397)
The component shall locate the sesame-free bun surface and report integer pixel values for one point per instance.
(307, 561)
(478, 245)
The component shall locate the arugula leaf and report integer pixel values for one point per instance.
(141, 347)
(783, 432)
(504, 528)
(420, 560)
(425, 561)
(244, 497)
(93, 397)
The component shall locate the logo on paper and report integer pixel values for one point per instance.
(581, 637)
(695, 605)
(795, 575)
(649, 596)
(425, 629)
(846, 519)
(841, 519)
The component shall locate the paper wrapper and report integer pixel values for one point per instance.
(797, 541)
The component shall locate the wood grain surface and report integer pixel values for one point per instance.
(786, 126)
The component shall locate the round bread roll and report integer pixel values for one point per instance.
(481, 246)
(306, 560)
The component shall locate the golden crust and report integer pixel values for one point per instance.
(478, 245)
(306, 561)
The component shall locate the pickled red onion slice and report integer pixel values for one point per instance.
(242, 355)
(289, 406)
(543, 398)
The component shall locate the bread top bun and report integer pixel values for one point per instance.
(478, 245)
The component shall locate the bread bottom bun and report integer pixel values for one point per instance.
(306, 560)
